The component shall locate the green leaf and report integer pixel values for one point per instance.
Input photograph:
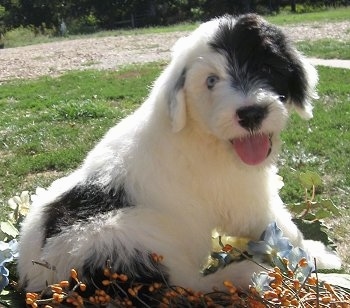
(8, 228)
(329, 205)
(309, 179)
(314, 231)
(323, 213)
(309, 216)
(296, 208)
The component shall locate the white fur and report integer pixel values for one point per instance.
(183, 175)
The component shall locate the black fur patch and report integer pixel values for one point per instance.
(137, 274)
(80, 203)
(257, 50)
(180, 82)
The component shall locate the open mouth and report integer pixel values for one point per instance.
(253, 149)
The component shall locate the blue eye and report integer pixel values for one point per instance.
(211, 81)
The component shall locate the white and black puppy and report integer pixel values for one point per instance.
(198, 154)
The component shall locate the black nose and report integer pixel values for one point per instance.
(251, 117)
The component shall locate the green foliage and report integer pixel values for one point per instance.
(310, 212)
(27, 35)
(19, 34)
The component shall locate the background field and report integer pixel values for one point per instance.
(49, 124)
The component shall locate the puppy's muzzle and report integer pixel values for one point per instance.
(251, 117)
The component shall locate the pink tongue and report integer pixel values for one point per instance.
(252, 149)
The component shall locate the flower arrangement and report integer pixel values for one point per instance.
(288, 276)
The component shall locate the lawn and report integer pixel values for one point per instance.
(48, 125)
(322, 15)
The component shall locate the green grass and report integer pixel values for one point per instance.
(326, 49)
(48, 125)
(323, 143)
(329, 15)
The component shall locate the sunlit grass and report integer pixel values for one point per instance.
(326, 49)
(321, 15)
(48, 125)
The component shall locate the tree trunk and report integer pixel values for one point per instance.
(293, 6)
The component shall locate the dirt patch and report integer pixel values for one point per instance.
(53, 59)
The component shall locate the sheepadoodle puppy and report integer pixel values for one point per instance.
(198, 155)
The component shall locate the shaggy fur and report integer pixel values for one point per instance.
(198, 154)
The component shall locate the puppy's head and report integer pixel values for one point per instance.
(237, 79)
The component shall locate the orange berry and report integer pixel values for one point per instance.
(328, 287)
(157, 285)
(29, 301)
(227, 248)
(80, 300)
(312, 280)
(56, 289)
(108, 298)
(58, 297)
(106, 282)
(73, 274)
(296, 284)
(64, 284)
(106, 272)
(32, 296)
(290, 274)
(326, 299)
(123, 277)
(228, 284)
(132, 292)
(294, 302)
(286, 303)
(270, 295)
(114, 276)
(82, 287)
(303, 262)
(278, 290)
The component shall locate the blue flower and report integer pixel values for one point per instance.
(8, 251)
(5, 253)
(272, 245)
(4, 273)
(261, 282)
(301, 271)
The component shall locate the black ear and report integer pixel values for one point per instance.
(303, 87)
(177, 104)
